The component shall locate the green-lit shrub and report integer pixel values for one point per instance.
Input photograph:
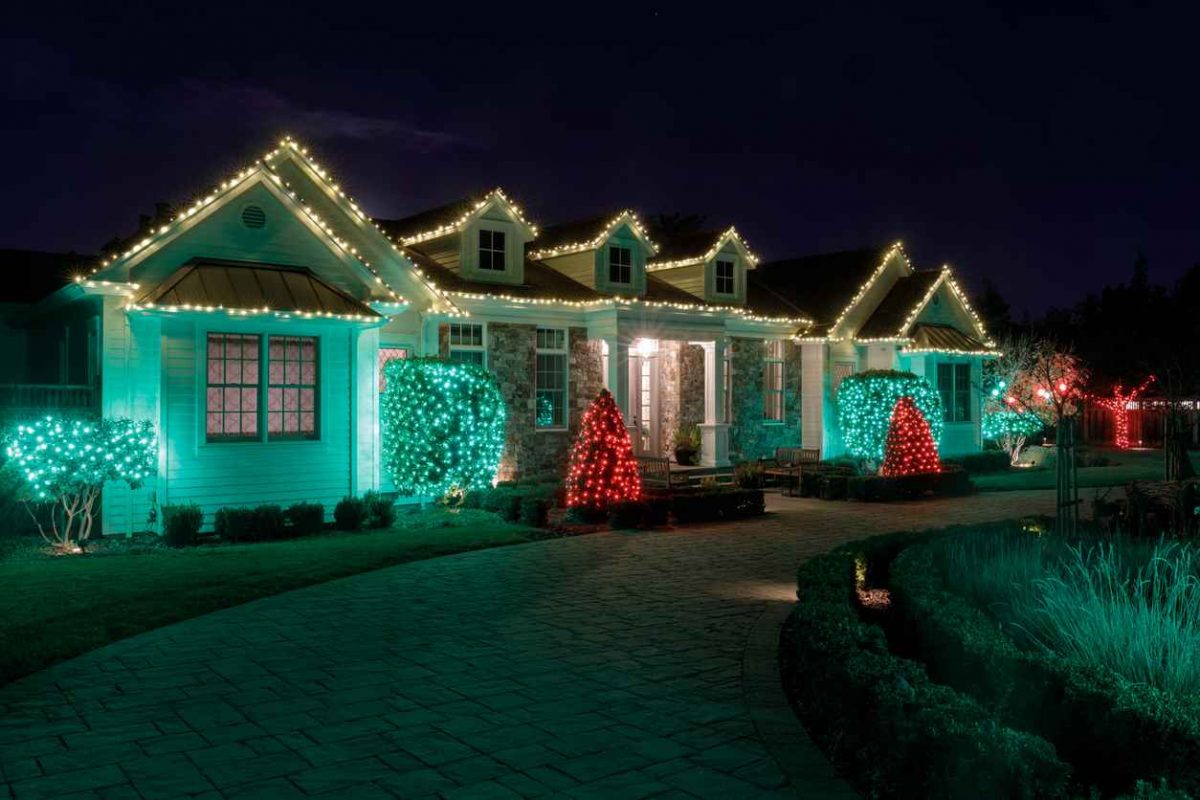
(350, 514)
(306, 518)
(381, 511)
(234, 524)
(534, 511)
(181, 524)
(268, 524)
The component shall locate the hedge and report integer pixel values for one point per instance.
(1112, 731)
(896, 731)
(708, 505)
(952, 481)
(979, 463)
(181, 524)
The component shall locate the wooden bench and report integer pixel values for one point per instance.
(788, 463)
(655, 471)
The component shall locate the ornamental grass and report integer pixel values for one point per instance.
(1129, 606)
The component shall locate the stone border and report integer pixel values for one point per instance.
(808, 770)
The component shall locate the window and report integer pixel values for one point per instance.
(387, 354)
(551, 378)
(491, 250)
(233, 386)
(620, 265)
(727, 383)
(723, 277)
(466, 343)
(954, 384)
(841, 371)
(291, 387)
(773, 382)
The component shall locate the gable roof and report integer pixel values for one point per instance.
(587, 234)
(213, 283)
(901, 303)
(680, 249)
(448, 218)
(824, 284)
(30, 275)
(944, 339)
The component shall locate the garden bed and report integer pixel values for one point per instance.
(917, 691)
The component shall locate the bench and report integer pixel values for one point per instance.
(655, 471)
(788, 464)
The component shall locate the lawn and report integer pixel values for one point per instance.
(54, 608)
(1129, 465)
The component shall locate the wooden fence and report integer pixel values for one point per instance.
(1146, 421)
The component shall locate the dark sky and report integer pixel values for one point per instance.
(1040, 149)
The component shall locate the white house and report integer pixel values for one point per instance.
(251, 325)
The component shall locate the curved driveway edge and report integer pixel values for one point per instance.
(601, 666)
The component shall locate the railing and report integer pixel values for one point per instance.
(32, 399)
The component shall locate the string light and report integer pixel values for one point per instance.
(1010, 428)
(866, 400)
(253, 312)
(728, 235)
(602, 469)
(625, 217)
(456, 226)
(618, 301)
(443, 426)
(1119, 404)
(909, 449)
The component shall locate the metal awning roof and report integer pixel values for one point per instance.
(944, 338)
(241, 285)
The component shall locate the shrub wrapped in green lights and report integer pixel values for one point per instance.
(864, 408)
(443, 426)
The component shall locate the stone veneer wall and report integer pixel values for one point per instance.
(511, 357)
(750, 437)
(691, 380)
(668, 392)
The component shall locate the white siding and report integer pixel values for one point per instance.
(814, 385)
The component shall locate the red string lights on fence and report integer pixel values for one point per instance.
(602, 469)
(910, 449)
(1118, 404)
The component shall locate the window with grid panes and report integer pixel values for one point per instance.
(773, 382)
(232, 387)
(491, 250)
(466, 343)
(551, 378)
(291, 387)
(620, 264)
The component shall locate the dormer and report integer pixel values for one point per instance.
(606, 253)
(481, 239)
(712, 266)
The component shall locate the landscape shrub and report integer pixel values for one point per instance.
(381, 511)
(953, 481)
(980, 463)
(657, 511)
(350, 514)
(504, 500)
(834, 487)
(234, 524)
(534, 511)
(306, 518)
(710, 504)
(1114, 731)
(898, 733)
(181, 524)
(748, 475)
(630, 514)
(268, 523)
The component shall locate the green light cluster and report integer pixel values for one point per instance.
(63, 457)
(1004, 422)
(864, 409)
(443, 426)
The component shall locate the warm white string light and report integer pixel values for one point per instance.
(728, 235)
(625, 217)
(457, 225)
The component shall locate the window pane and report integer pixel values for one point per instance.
(231, 391)
(292, 387)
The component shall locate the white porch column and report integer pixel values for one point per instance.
(714, 431)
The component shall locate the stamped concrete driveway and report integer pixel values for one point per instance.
(613, 665)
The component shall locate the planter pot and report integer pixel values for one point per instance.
(685, 457)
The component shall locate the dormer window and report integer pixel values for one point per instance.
(723, 282)
(620, 265)
(491, 250)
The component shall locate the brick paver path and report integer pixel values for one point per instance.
(613, 665)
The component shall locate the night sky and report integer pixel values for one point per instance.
(1038, 149)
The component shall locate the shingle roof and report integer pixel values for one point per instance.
(541, 281)
(944, 337)
(30, 275)
(573, 232)
(822, 285)
(429, 219)
(673, 247)
(900, 302)
(765, 301)
(234, 284)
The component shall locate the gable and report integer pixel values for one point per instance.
(945, 307)
(252, 225)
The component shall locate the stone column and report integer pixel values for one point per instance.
(714, 431)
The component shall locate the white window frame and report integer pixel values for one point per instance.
(503, 251)
(733, 281)
(774, 399)
(948, 409)
(565, 352)
(468, 348)
(632, 265)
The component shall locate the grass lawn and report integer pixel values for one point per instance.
(1129, 465)
(54, 608)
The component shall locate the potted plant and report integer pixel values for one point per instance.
(687, 445)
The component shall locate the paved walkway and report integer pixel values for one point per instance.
(613, 665)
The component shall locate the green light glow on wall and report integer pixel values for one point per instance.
(443, 426)
(864, 409)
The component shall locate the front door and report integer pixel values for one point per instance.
(643, 391)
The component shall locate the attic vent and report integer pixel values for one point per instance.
(254, 217)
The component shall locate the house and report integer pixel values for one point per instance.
(251, 327)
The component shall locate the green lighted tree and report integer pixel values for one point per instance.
(864, 409)
(443, 426)
(65, 464)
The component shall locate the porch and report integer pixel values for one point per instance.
(28, 400)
